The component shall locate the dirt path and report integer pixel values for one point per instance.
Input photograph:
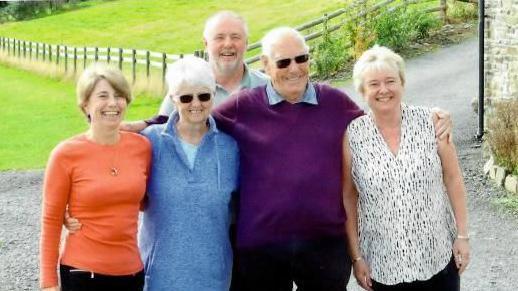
(446, 78)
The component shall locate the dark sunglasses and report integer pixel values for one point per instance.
(284, 63)
(187, 98)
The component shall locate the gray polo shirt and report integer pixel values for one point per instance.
(251, 79)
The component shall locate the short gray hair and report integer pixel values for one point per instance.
(276, 35)
(192, 71)
(211, 21)
(377, 58)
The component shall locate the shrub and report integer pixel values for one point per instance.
(391, 28)
(395, 28)
(462, 11)
(502, 137)
(329, 56)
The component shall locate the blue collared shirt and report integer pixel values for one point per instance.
(310, 95)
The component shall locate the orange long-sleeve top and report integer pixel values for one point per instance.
(102, 185)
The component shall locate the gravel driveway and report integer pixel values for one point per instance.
(446, 78)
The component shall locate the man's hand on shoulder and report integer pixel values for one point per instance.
(133, 126)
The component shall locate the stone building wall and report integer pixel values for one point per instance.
(501, 49)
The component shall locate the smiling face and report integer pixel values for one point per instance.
(195, 112)
(289, 82)
(105, 106)
(382, 89)
(226, 42)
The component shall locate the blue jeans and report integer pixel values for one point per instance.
(313, 265)
(447, 279)
(73, 279)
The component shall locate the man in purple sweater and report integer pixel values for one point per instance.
(290, 226)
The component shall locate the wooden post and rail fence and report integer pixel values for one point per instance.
(142, 62)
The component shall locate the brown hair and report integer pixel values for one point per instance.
(93, 74)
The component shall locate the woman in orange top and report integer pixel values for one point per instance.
(100, 177)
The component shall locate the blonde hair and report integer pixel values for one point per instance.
(93, 74)
(377, 58)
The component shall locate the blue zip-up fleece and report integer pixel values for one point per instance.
(184, 239)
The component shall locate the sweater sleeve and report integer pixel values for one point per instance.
(56, 189)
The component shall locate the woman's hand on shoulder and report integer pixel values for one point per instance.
(55, 288)
(362, 274)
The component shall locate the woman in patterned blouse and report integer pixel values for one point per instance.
(407, 216)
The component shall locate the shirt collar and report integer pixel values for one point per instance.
(246, 81)
(310, 95)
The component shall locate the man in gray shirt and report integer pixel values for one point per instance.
(226, 38)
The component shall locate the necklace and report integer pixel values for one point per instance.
(114, 170)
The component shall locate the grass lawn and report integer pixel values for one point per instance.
(38, 112)
(165, 26)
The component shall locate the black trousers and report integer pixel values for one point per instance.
(73, 279)
(314, 265)
(446, 280)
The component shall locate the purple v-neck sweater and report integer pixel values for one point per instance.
(291, 165)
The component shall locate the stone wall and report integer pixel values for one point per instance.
(501, 49)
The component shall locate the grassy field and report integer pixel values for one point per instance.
(37, 112)
(165, 26)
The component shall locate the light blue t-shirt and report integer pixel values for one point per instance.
(190, 150)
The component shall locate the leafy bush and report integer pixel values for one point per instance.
(462, 11)
(395, 28)
(23, 10)
(391, 28)
(502, 136)
(329, 56)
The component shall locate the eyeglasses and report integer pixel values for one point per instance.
(187, 98)
(284, 63)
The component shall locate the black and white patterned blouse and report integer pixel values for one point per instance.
(405, 221)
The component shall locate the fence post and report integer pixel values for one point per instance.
(24, 49)
(443, 5)
(84, 57)
(37, 50)
(133, 65)
(66, 59)
(44, 52)
(19, 48)
(164, 68)
(50, 53)
(96, 54)
(58, 49)
(120, 59)
(8, 46)
(30, 50)
(75, 60)
(148, 63)
(108, 55)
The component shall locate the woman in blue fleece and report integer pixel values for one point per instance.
(184, 238)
